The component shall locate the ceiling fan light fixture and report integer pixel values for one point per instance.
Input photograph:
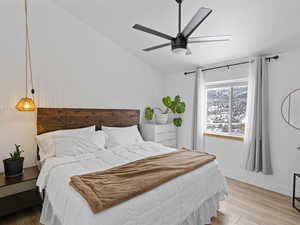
(179, 51)
(179, 45)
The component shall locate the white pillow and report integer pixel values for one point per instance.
(98, 138)
(122, 135)
(45, 141)
(73, 145)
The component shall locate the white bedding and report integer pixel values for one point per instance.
(168, 204)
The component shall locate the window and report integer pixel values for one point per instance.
(226, 108)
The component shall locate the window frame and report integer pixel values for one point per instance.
(230, 84)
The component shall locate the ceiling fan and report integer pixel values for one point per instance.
(180, 43)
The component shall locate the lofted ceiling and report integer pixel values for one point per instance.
(256, 26)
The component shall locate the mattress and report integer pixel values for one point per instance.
(169, 204)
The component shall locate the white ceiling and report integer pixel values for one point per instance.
(257, 27)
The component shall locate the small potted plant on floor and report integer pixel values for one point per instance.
(13, 166)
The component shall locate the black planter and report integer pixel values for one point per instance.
(13, 168)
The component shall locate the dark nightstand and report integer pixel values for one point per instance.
(295, 199)
(19, 193)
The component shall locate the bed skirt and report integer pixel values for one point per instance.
(200, 216)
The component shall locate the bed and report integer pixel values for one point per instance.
(190, 199)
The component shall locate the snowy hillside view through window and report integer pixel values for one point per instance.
(226, 109)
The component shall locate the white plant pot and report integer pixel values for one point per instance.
(161, 118)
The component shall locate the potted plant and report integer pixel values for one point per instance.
(149, 113)
(163, 115)
(13, 166)
(176, 106)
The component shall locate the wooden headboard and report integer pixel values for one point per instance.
(52, 119)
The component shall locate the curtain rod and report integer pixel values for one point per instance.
(230, 65)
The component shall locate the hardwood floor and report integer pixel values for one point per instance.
(245, 205)
(249, 205)
(26, 217)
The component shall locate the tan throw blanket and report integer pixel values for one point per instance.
(110, 187)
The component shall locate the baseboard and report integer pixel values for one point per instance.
(285, 190)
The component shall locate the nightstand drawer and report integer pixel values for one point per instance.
(165, 136)
(23, 200)
(17, 188)
(19, 193)
(165, 128)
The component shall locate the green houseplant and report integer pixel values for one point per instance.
(13, 166)
(149, 113)
(176, 106)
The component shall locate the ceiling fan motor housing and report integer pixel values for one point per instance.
(179, 42)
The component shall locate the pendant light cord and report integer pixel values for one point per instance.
(28, 65)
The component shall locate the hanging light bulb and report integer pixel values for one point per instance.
(27, 104)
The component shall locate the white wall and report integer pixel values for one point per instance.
(284, 77)
(73, 65)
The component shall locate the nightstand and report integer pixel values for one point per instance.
(165, 134)
(20, 192)
(295, 199)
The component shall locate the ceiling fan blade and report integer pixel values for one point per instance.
(156, 47)
(209, 38)
(188, 52)
(151, 31)
(199, 17)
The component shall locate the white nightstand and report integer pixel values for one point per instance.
(165, 134)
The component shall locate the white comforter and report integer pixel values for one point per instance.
(168, 204)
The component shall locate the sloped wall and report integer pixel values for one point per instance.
(73, 66)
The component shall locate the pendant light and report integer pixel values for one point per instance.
(27, 104)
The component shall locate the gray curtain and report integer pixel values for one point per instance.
(257, 156)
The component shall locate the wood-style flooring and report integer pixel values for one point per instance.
(245, 205)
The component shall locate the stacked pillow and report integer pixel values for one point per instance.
(75, 142)
(121, 136)
(51, 144)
